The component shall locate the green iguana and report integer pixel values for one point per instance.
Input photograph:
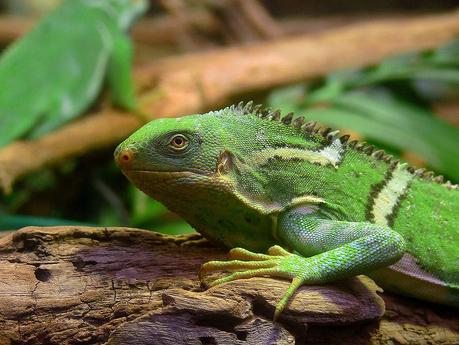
(322, 207)
(56, 71)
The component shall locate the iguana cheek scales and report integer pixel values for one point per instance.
(258, 180)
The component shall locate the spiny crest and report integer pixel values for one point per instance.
(275, 115)
(329, 134)
(310, 127)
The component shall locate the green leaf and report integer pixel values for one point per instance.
(175, 228)
(144, 209)
(287, 98)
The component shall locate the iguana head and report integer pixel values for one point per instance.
(221, 155)
(176, 160)
(199, 167)
(188, 144)
(229, 151)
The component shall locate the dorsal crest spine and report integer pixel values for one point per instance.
(329, 134)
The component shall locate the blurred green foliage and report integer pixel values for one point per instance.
(151, 214)
(9, 222)
(88, 191)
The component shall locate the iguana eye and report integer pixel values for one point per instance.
(178, 142)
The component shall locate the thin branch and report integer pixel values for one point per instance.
(260, 18)
(159, 30)
(75, 139)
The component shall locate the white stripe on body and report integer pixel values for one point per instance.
(385, 202)
(328, 155)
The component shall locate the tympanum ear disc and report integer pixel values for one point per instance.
(225, 162)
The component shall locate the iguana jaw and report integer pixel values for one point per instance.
(160, 179)
(163, 185)
(171, 174)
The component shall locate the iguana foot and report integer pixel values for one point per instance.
(277, 263)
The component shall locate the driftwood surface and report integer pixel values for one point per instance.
(201, 81)
(81, 285)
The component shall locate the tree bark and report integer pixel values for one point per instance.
(80, 285)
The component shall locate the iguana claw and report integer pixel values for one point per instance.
(248, 265)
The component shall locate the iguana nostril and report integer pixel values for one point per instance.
(124, 157)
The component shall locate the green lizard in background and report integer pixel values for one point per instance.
(56, 71)
(323, 208)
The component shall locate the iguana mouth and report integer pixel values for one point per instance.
(159, 172)
(184, 173)
(141, 177)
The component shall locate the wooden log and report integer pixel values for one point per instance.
(80, 285)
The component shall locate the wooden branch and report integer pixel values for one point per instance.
(198, 82)
(211, 78)
(245, 20)
(83, 285)
(158, 30)
(13, 27)
(166, 29)
(300, 24)
(103, 130)
(260, 18)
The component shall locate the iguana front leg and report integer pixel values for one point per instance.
(327, 250)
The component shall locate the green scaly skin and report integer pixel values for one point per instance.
(56, 71)
(260, 183)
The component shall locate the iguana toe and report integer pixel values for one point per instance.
(279, 263)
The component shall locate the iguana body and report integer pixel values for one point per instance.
(249, 179)
(56, 71)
